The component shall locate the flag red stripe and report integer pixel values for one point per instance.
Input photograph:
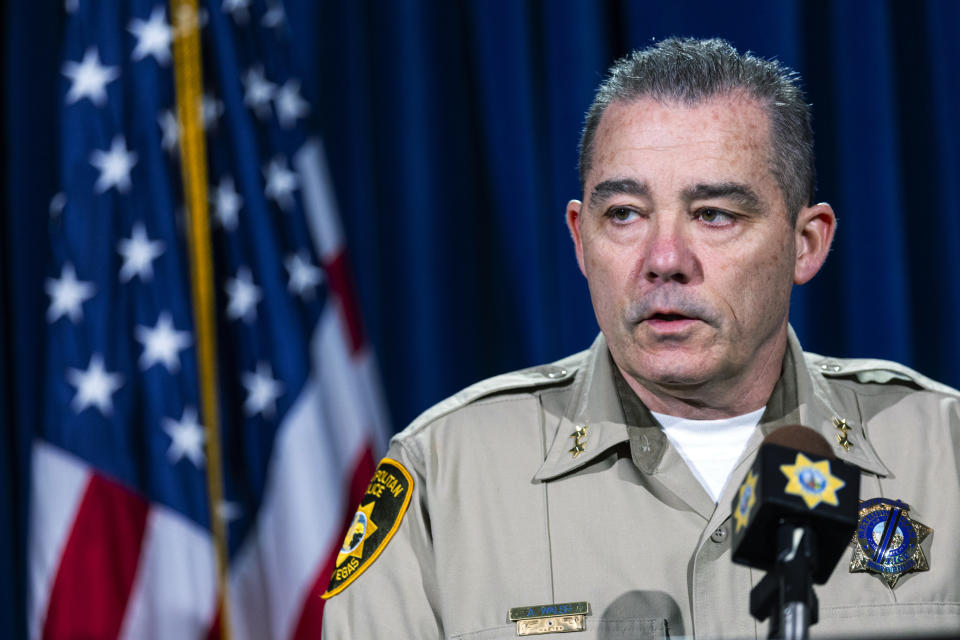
(310, 622)
(98, 565)
(341, 283)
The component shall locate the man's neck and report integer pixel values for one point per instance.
(715, 399)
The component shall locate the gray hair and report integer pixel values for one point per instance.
(689, 71)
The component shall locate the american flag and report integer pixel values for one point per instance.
(121, 501)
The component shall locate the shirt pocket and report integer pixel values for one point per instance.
(596, 629)
(900, 619)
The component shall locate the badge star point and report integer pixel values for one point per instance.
(95, 386)
(243, 296)
(162, 344)
(138, 253)
(262, 391)
(114, 165)
(67, 295)
(153, 35)
(187, 438)
(89, 78)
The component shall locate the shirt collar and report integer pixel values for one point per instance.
(800, 396)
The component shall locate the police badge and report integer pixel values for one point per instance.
(888, 540)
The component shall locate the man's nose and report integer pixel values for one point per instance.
(669, 255)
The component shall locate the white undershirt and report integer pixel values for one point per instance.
(710, 447)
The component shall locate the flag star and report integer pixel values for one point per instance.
(170, 130)
(281, 183)
(114, 166)
(153, 37)
(138, 253)
(57, 204)
(290, 105)
(163, 344)
(227, 203)
(243, 296)
(262, 391)
(274, 17)
(95, 386)
(304, 277)
(258, 91)
(186, 438)
(71, 5)
(210, 110)
(229, 511)
(237, 9)
(67, 295)
(89, 78)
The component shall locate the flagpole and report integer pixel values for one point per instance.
(189, 91)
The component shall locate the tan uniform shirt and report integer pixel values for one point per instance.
(502, 514)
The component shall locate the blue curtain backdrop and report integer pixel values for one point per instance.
(451, 129)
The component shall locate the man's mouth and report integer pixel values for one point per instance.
(669, 317)
(669, 321)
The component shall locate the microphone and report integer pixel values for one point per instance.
(794, 516)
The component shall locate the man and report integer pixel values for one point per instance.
(600, 486)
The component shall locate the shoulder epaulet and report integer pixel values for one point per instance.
(547, 375)
(869, 370)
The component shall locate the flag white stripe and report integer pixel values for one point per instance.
(299, 521)
(59, 481)
(174, 593)
(318, 201)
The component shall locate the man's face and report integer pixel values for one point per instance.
(686, 242)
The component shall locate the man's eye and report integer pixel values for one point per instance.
(620, 214)
(714, 216)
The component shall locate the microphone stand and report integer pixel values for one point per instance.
(785, 595)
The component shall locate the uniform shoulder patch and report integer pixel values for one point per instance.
(376, 520)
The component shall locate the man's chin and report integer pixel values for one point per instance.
(673, 368)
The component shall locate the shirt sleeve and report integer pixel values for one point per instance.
(384, 582)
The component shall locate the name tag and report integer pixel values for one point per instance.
(550, 618)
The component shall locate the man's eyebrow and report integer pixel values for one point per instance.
(739, 193)
(618, 186)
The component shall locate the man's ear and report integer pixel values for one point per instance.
(574, 207)
(815, 227)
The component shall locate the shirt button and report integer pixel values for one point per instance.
(719, 535)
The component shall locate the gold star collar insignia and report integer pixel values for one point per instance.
(579, 436)
(842, 439)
